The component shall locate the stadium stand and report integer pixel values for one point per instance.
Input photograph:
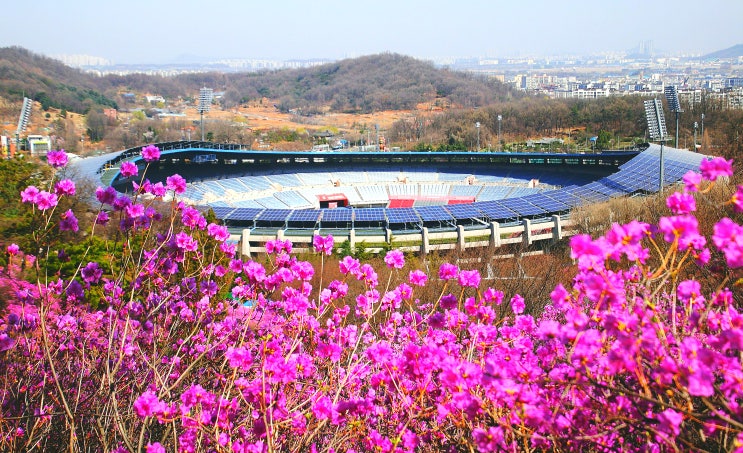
(249, 197)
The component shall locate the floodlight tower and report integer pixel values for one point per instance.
(656, 129)
(477, 126)
(205, 103)
(702, 139)
(675, 106)
(23, 121)
(500, 119)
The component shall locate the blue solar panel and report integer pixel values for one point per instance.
(495, 210)
(402, 215)
(337, 215)
(565, 196)
(433, 213)
(596, 186)
(369, 215)
(545, 202)
(464, 211)
(244, 214)
(305, 215)
(221, 212)
(524, 208)
(589, 195)
(275, 215)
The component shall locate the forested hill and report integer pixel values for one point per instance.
(359, 85)
(53, 84)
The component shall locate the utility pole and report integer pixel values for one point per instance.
(500, 119)
(477, 126)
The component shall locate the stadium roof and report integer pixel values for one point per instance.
(617, 173)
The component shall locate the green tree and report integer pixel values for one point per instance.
(96, 122)
(604, 140)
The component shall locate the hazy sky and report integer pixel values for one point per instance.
(148, 31)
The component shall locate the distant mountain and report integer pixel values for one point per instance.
(731, 52)
(49, 81)
(360, 85)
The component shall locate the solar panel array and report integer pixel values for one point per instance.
(639, 174)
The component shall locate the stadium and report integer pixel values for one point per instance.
(414, 201)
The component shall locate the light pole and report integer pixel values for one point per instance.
(675, 106)
(656, 129)
(500, 118)
(702, 148)
(477, 126)
(696, 125)
(205, 104)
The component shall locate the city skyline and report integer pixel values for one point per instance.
(187, 31)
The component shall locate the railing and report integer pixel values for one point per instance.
(423, 241)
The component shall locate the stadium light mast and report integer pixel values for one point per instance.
(702, 131)
(656, 129)
(674, 105)
(477, 126)
(500, 119)
(205, 104)
(23, 121)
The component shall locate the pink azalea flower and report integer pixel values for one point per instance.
(323, 245)
(158, 189)
(147, 404)
(185, 242)
(128, 169)
(715, 168)
(176, 183)
(684, 229)
(728, 237)
(218, 232)
(57, 159)
(418, 278)
(155, 448)
(517, 304)
(447, 271)
(239, 357)
(349, 265)
(91, 273)
(681, 203)
(394, 259)
(46, 200)
(12, 249)
(106, 196)
(102, 218)
(151, 153)
(65, 187)
(469, 278)
(737, 199)
(29, 194)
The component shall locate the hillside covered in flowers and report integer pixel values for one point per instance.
(157, 337)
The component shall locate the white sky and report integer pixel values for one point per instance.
(149, 31)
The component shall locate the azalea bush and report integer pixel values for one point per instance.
(172, 342)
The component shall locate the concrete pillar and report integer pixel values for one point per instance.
(388, 235)
(527, 231)
(280, 235)
(424, 241)
(494, 234)
(245, 243)
(556, 228)
(460, 237)
(352, 238)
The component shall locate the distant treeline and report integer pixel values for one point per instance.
(360, 85)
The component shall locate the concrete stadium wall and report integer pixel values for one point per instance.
(495, 235)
